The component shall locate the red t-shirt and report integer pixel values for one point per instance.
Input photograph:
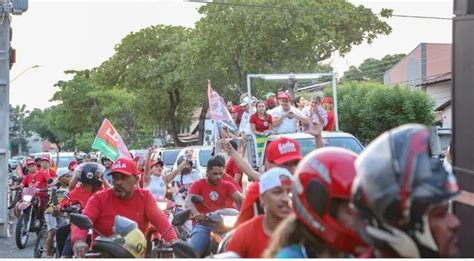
(231, 168)
(38, 180)
(249, 239)
(261, 125)
(215, 197)
(230, 201)
(248, 208)
(78, 194)
(331, 121)
(103, 206)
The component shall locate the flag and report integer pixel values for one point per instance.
(217, 137)
(109, 142)
(218, 109)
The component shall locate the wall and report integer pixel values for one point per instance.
(440, 92)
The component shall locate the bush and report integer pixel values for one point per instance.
(367, 109)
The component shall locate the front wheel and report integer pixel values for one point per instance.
(21, 233)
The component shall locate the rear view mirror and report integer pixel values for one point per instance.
(81, 221)
(182, 249)
(181, 217)
(197, 199)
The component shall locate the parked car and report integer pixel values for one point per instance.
(65, 158)
(200, 156)
(308, 143)
(169, 156)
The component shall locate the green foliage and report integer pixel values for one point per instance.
(367, 109)
(17, 135)
(372, 69)
(292, 36)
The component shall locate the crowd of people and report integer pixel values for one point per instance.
(390, 201)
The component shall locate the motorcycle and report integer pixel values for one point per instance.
(222, 221)
(126, 242)
(183, 249)
(29, 219)
(157, 248)
(14, 195)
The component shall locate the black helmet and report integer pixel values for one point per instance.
(104, 158)
(89, 173)
(396, 183)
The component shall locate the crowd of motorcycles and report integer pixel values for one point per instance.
(127, 241)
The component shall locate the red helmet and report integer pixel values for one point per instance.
(323, 176)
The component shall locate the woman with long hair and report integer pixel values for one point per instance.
(261, 121)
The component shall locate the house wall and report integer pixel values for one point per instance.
(440, 92)
(438, 57)
(448, 117)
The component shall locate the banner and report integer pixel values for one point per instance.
(109, 142)
(218, 109)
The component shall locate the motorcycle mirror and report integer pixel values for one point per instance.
(197, 199)
(181, 217)
(81, 221)
(182, 249)
(228, 212)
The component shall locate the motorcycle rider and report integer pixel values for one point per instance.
(215, 192)
(107, 164)
(53, 220)
(124, 199)
(251, 238)
(46, 166)
(283, 152)
(89, 183)
(186, 177)
(401, 197)
(321, 226)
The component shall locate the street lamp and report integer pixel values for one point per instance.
(299, 77)
(27, 69)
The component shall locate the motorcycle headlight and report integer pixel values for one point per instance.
(27, 198)
(162, 205)
(229, 221)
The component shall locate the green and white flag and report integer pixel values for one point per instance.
(109, 142)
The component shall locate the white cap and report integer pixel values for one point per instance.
(272, 178)
(245, 101)
(61, 172)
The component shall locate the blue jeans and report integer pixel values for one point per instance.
(200, 238)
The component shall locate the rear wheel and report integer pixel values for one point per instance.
(21, 233)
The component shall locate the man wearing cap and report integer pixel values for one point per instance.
(124, 199)
(270, 101)
(282, 152)
(251, 238)
(286, 116)
(244, 126)
(46, 166)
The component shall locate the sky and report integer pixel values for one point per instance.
(77, 35)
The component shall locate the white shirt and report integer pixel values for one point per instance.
(184, 181)
(313, 117)
(288, 125)
(245, 123)
(157, 187)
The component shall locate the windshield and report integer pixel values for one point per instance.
(64, 161)
(169, 156)
(307, 145)
(204, 157)
(346, 142)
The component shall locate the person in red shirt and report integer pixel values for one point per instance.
(252, 237)
(261, 121)
(232, 169)
(282, 152)
(46, 166)
(124, 199)
(327, 105)
(215, 193)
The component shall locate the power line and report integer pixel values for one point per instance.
(312, 10)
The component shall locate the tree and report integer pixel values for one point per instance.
(372, 69)
(153, 65)
(17, 134)
(367, 109)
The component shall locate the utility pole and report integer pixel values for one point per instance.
(6, 8)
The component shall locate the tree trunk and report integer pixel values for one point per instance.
(202, 122)
(291, 87)
(174, 101)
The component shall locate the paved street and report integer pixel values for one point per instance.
(8, 248)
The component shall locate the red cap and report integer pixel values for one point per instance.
(124, 166)
(283, 150)
(45, 158)
(284, 95)
(269, 102)
(327, 100)
(30, 161)
(235, 109)
(72, 164)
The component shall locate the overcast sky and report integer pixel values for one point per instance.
(67, 34)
